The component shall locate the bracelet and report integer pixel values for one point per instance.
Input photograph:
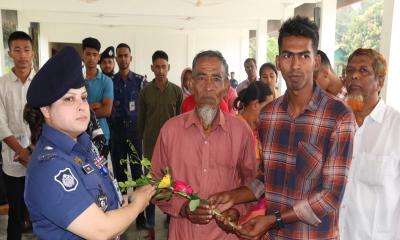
(279, 224)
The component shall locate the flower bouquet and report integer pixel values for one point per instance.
(165, 186)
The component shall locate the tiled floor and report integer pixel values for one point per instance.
(132, 233)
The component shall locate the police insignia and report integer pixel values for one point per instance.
(110, 53)
(78, 160)
(48, 156)
(67, 180)
(48, 148)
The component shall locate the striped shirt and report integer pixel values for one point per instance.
(306, 161)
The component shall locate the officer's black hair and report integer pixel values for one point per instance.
(35, 119)
(123, 45)
(268, 65)
(159, 54)
(91, 43)
(19, 35)
(250, 60)
(299, 26)
(255, 91)
(210, 54)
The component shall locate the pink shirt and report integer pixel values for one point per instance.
(209, 164)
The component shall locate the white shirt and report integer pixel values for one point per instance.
(371, 204)
(12, 103)
(242, 85)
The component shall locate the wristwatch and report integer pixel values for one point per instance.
(279, 224)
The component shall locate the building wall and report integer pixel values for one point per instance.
(181, 45)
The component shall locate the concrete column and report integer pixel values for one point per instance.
(327, 28)
(190, 46)
(244, 54)
(390, 48)
(23, 22)
(2, 61)
(261, 42)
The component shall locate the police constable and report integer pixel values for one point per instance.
(107, 61)
(127, 86)
(69, 193)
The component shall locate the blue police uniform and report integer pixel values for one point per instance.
(62, 182)
(124, 129)
(64, 177)
(124, 123)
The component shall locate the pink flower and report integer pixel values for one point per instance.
(180, 186)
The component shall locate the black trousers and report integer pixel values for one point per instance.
(3, 196)
(16, 206)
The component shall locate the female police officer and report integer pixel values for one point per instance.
(69, 193)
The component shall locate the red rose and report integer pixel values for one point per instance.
(180, 186)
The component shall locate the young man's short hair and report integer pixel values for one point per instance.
(250, 60)
(91, 43)
(159, 54)
(19, 35)
(324, 59)
(123, 45)
(300, 27)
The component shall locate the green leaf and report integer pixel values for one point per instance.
(193, 204)
(145, 163)
(143, 180)
(193, 197)
(163, 196)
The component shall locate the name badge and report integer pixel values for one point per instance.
(87, 169)
(132, 106)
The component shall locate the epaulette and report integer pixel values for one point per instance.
(138, 76)
(48, 153)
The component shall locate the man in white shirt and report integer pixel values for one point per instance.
(14, 132)
(371, 204)
(250, 66)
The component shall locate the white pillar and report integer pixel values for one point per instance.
(327, 28)
(2, 61)
(288, 13)
(244, 54)
(261, 42)
(23, 22)
(390, 48)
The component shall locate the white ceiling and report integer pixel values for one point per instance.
(175, 14)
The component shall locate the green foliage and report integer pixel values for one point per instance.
(272, 49)
(163, 195)
(135, 159)
(359, 27)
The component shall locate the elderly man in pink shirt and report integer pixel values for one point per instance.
(210, 150)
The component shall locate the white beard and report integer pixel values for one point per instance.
(207, 114)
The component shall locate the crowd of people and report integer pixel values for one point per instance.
(321, 159)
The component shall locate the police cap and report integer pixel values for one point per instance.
(59, 74)
(108, 53)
